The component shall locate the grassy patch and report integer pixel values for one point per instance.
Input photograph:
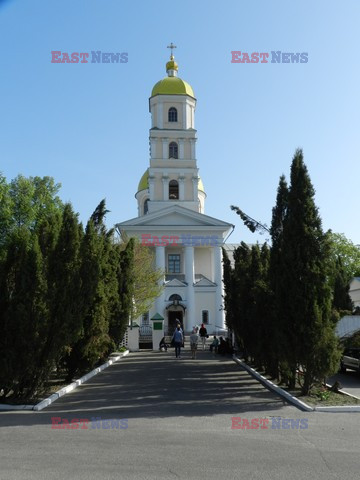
(319, 396)
(326, 398)
(55, 383)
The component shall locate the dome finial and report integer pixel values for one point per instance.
(172, 66)
(172, 46)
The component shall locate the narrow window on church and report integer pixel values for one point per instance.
(146, 206)
(173, 190)
(173, 150)
(174, 263)
(205, 316)
(172, 115)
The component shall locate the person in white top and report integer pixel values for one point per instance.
(194, 338)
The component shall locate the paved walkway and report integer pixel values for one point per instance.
(178, 414)
(158, 385)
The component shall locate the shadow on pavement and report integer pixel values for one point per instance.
(156, 385)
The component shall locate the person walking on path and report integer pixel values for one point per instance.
(194, 338)
(203, 335)
(178, 339)
(178, 324)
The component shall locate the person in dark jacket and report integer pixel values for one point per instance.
(203, 335)
(222, 347)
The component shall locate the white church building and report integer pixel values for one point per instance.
(171, 214)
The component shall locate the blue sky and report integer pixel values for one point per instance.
(87, 125)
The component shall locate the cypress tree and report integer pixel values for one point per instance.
(23, 315)
(64, 287)
(274, 332)
(126, 282)
(228, 280)
(304, 295)
(241, 297)
(260, 312)
(94, 341)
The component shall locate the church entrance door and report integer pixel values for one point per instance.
(173, 318)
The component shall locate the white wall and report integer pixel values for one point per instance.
(355, 291)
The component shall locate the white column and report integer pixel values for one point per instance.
(160, 264)
(182, 188)
(195, 188)
(160, 119)
(190, 294)
(153, 142)
(181, 148)
(165, 148)
(184, 116)
(152, 117)
(165, 180)
(192, 143)
(218, 279)
(151, 187)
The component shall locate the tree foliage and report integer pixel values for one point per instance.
(283, 298)
(66, 295)
(342, 247)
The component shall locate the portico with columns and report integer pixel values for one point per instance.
(171, 217)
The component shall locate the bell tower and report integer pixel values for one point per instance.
(172, 177)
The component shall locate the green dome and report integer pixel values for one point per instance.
(201, 186)
(172, 86)
(144, 182)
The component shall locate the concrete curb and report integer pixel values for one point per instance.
(69, 388)
(343, 409)
(271, 386)
(298, 403)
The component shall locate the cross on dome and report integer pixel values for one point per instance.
(172, 66)
(171, 46)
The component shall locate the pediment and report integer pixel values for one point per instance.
(175, 283)
(205, 282)
(175, 216)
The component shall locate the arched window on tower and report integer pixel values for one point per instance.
(173, 150)
(173, 190)
(146, 206)
(172, 114)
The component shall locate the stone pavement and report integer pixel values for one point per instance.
(178, 416)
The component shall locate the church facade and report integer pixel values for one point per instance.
(171, 214)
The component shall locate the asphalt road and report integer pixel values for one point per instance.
(179, 417)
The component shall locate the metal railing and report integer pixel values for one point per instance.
(145, 331)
